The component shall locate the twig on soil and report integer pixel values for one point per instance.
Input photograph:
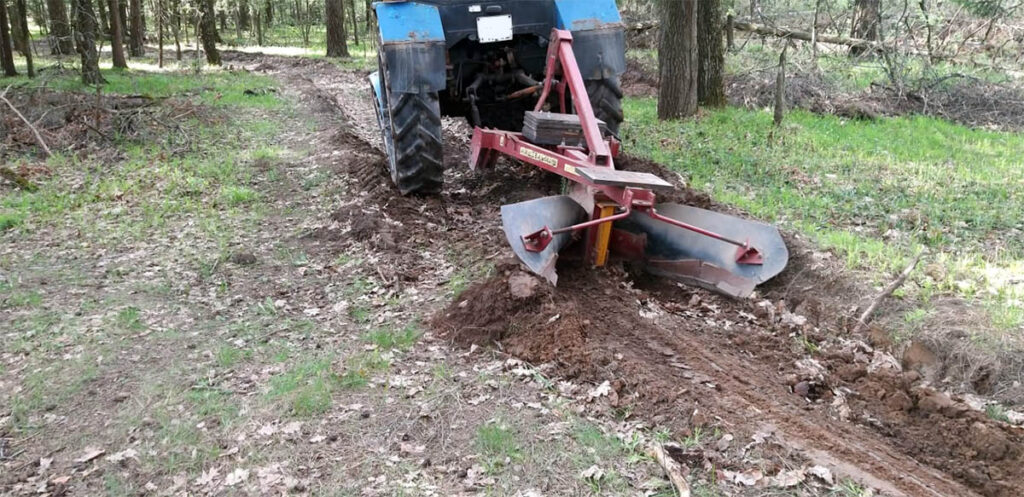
(671, 467)
(39, 138)
(866, 315)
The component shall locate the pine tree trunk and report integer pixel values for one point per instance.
(337, 46)
(135, 41)
(22, 23)
(104, 27)
(268, 11)
(710, 54)
(355, 20)
(866, 16)
(60, 28)
(16, 38)
(116, 35)
(677, 59)
(208, 31)
(176, 28)
(160, 32)
(7, 49)
(259, 29)
(85, 38)
(243, 15)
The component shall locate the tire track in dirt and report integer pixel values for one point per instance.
(897, 439)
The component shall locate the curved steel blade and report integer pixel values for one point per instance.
(666, 242)
(527, 217)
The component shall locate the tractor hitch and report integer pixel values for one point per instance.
(692, 245)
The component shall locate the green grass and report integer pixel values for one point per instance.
(497, 442)
(306, 387)
(997, 412)
(400, 339)
(873, 191)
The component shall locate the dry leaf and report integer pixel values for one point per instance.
(592, 473)
(601, 390)
(207, 477)
(822, 473)
(237, 476)
(90, 454)
(291, 428)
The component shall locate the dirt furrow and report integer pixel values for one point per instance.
(682, 357)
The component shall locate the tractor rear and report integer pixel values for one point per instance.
(539, 81)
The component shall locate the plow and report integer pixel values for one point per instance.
(604, 214)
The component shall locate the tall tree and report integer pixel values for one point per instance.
(104, 27)
(136, 42)
(677, 59)
(15, 17)
(268, 11)
(7, 49)
(337, 46)
(355, 20)
(866, 17)
(85, 39)
(116, 36)
(22, 22)
(208, 31)
(710, 54)
(60, 28)
(244, 21)
(160, 32)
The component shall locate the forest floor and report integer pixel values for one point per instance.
(215, 290)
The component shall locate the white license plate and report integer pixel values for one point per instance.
(494, 28)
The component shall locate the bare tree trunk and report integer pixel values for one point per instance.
(259, 30)
(116, 36)
(677, 59)
(176, 29)
(269, 11)
(14, 12)
(85, 38)
(866, 17)
(814, 32)
(136, 46)
(927, 28)
(22, 23)
(160, 32)
(104, 27)
(243, 15)
(337, 46)
(730, 33)
(7, 49)
(355, 21)
(780, 89)
(710, 54)
(208, 31)
(60, 28)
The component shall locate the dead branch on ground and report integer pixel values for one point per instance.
(39, 138)
(862, 321)
(671, 467)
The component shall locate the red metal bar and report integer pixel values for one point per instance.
(745, 255)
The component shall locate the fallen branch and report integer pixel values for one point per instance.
(898, 282)
(23, 183)
(805, 36)
(671, 467)
(39, 138)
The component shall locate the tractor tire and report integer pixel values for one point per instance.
(415, 155)
(410, 125)
(606, 100)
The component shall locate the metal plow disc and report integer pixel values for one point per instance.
(532, 215)
(690, 257)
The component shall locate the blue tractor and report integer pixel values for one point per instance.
(482, 60)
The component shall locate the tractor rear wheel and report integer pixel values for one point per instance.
(606, 100)
(416, 158)
(411, 130)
